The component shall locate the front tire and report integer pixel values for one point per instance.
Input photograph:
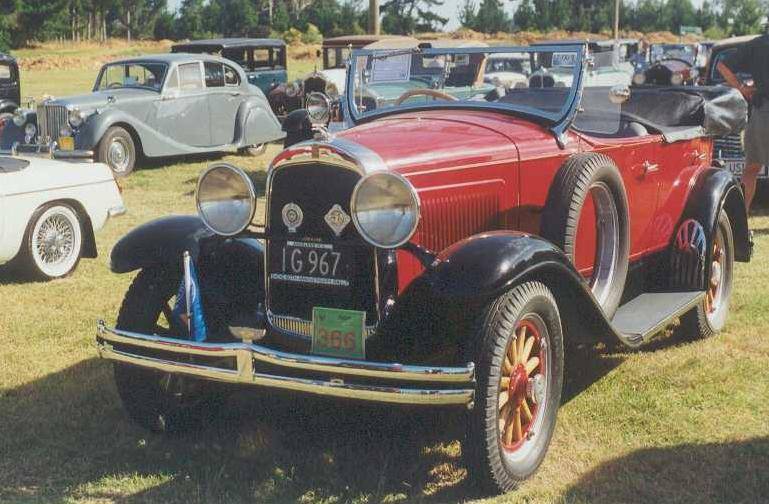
(160, 402)
(519, 368)
(117, 150)
(53, 242)
(709, 317)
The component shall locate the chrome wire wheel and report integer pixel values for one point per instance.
(607, 243)
(55, 241)
(523, 386)
(118, 155)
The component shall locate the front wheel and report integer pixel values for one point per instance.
(709, 317)
(519, 366)
(160, 402)
(118, 151)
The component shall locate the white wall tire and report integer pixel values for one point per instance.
(54, 241)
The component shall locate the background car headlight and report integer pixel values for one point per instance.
(19, 118)
(385, 209)
(639, 79)
(677, 78)
(292, 89)
(76, 117)
(30, 130)
(225, 199)
(319, 108)
(332, 91)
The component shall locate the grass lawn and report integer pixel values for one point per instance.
(674, 423)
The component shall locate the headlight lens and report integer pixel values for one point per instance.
(332, 91)
(385, 209)
(319, 108)
(19, 118)
(226, 200)
(76, 117)
(639, 78)
(677, 78)
(292, 89)
(30, 130)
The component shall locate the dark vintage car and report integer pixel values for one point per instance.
(324, 84)
(150, 106)
(264, 60)
(729, 150)
(10, 85)
(669, 65)
(440, 252)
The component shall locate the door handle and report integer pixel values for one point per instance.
(650, 167)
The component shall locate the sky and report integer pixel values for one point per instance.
(449, 9)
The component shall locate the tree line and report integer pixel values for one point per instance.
(25, 21)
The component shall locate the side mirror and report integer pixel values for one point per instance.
(619, 94)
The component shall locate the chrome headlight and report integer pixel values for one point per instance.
(225, 199)
(639, 79)
(332, 91)
(30, 130)
(319, 108)
(19, 117)
(76, 117)
(677, 78)
(292, 89)
(385, 209)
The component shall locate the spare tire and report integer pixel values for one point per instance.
(586, 215)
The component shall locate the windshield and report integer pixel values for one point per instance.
(384, 81)
(677, 51)
(722, 57)
(508, 63)
(132, 75)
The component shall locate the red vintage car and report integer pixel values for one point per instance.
(441, 251)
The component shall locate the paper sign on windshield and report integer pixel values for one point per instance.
(567, 59)
(391, 69)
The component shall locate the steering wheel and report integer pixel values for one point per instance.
(425, 92)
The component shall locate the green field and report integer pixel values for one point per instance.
(672, 423)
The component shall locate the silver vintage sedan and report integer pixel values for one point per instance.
(150, 106)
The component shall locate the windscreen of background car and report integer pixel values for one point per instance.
(132, 75)
(445, 78)
(675, 51)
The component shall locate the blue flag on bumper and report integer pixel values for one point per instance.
(188, 309)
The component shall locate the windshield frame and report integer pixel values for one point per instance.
(558, 122)
(129, 63)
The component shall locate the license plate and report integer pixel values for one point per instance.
(309, 263)
(66, 143)
(338, 333)
(736, 167)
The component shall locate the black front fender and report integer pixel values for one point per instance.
(445, 303)
(159, 242)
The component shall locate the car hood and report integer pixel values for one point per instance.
(413, 142)
(43, 174)
(98, 99)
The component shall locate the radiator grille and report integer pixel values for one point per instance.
(50, 119)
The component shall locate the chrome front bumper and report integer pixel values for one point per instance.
(48, 150)
(250, 364)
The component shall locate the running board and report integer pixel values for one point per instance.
(643, 317)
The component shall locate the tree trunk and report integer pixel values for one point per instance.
(128, 23)
(373, 17)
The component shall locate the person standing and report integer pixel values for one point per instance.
(752, 58)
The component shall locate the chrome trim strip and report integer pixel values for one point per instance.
(302, 327)
(247, 354)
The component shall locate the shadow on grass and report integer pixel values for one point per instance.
(65, 436)
(713, 472)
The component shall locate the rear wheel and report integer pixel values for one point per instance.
(54, 242)
(160, 402)
(709, 317)
(519, 367)
(118, 151)
(586, 214)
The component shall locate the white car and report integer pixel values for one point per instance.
(50, 210)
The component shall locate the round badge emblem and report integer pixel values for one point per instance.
(292, 216)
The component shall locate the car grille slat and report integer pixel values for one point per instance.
(729, 147)
(50, 120)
